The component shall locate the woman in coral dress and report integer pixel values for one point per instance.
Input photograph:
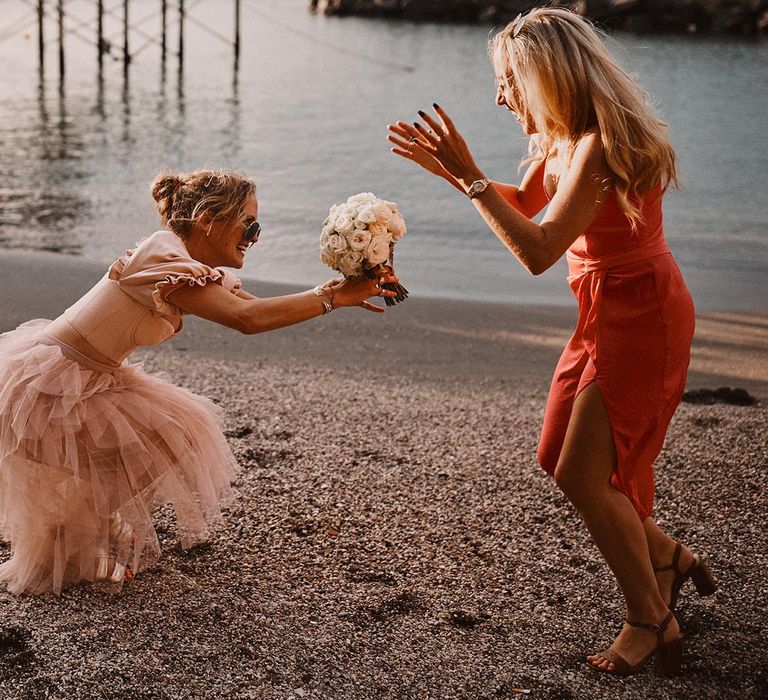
(90, 443)
(600, 162)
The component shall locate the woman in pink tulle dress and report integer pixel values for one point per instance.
(90, 443)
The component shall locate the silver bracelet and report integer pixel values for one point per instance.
(321, 291)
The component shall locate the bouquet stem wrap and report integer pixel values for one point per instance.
(378, 271)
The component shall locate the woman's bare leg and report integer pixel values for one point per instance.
(661, 548)
(583, 473)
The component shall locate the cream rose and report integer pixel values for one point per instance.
(359, 239)
(329, 259)
(377, 251)
(380, 231)
(383, 213)
(351, 263)
(336, 243)
(397, 226)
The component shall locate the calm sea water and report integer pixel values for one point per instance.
(306, 116)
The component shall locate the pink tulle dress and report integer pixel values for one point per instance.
(88, 438)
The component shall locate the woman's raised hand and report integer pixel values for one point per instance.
(404, 136)
(437, 147)
(354, 291)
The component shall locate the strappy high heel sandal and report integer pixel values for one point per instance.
(697, 572)
(668, 654)
(120, 572)
(122, 538)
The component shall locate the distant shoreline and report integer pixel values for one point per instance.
(719, 17)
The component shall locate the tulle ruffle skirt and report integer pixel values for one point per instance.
(82, 444)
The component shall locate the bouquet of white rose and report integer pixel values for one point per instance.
(359, 237)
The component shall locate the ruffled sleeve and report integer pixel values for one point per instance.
(159, 265)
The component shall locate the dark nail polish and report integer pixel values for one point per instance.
(435, 105)
(417, 125)
(421, 114)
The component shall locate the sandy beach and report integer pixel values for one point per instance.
(393, 536)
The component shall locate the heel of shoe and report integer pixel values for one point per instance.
(702, 579)
(669, 657)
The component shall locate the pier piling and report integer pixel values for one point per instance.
(40, 36)
(61, 40)
(181, 33)
(237, 34)
(126, 52)
(100, 34)
(164, 32)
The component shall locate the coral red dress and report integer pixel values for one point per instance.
(633, 338)
(85, 438)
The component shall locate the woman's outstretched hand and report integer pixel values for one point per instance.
(404, 136)
(437, 147)
(355, 291)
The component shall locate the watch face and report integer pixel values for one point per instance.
(477, 187)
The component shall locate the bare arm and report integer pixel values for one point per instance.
(579, 197)
(536, 246)
(529, 198)
(249, 314)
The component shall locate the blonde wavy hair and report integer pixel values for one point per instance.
(557, 72)
(183, 198)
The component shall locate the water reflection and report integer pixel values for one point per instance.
(49, 155)
(126, 108)
(37, 208)
(100, 107)
(232, 143)
(304, 112)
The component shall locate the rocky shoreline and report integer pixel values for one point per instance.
(736, 17)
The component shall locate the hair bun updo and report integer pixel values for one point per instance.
(165, 186)
(184, 197)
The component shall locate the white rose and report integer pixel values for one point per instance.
(328, 231)
(359, 239)
(344, 223)
(380, 231)
(350, 263)
(362, 198)
(377, 251)
(336, 243)
(366, 215)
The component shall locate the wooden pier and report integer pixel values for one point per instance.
(55, 12)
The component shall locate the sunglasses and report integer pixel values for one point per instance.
(252, 232)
